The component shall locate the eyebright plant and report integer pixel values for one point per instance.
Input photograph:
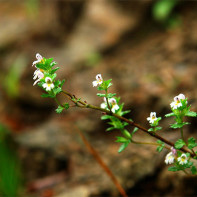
(182, 152)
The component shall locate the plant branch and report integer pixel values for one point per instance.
(132, 123)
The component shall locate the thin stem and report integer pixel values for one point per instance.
(148, 143)
(102, 164)
(182, 133)
(107, 100)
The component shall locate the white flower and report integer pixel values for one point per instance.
(99, 80)
(183, 159)
(114, 105)
(104, 105)
(181, 96)
(170, 158)
(176, 103)
(39, 59)
(152, 117)
(48, 85)
(38, 74)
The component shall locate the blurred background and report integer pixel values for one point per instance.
(148, 48)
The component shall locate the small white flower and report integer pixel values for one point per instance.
(183, 159)
(39, 59)
(104, 105)
(38, 74)
(48, 85)
(170, 158)
(99, 80)
(114, 105)
(176, 103)
(152, 117)
(181, 96)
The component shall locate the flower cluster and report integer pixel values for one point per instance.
(172, 157)
(45, 75)
(110, 102)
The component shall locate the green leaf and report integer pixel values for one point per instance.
(160, 148)
(179, 144)
(101, 95)
(62, 83)
(59, 109)
(170, 114)
(124, 112)
(54, 70)
(134, 131)
(57, 90)
(126, 134)
(66, 105)
(123, 146)
(158, 128)
(105, 117)
(162, 9)
(121, 139)
(173, 169)
(191, 114)
(151, 129)
(110, 95)
(100, 88)
(53, 64)
(193, 170)
(110, 128)
(159, 142)
(192, 143)
(179, 125)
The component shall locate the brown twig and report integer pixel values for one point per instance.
(102, 164)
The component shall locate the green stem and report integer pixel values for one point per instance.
(148, 143)
(182, 133)
(108, 102)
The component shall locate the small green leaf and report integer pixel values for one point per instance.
(179, 144)
(66, 105)
(105, 117)
(110, 128)
(193, 170)
(191, 114)
(54, 70)
(62, 83)
(121, 139)
(59, 109)
(179, 125)
(158, 128)
(110, 95)
(134, 131)
(100, 88)
(151, 129)
(124, 112)
(160, 148)
(57, 90)
(101, 95)
(159, 142)
(192, 143)
(173, 169)
(123, 146)
(170, 114)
